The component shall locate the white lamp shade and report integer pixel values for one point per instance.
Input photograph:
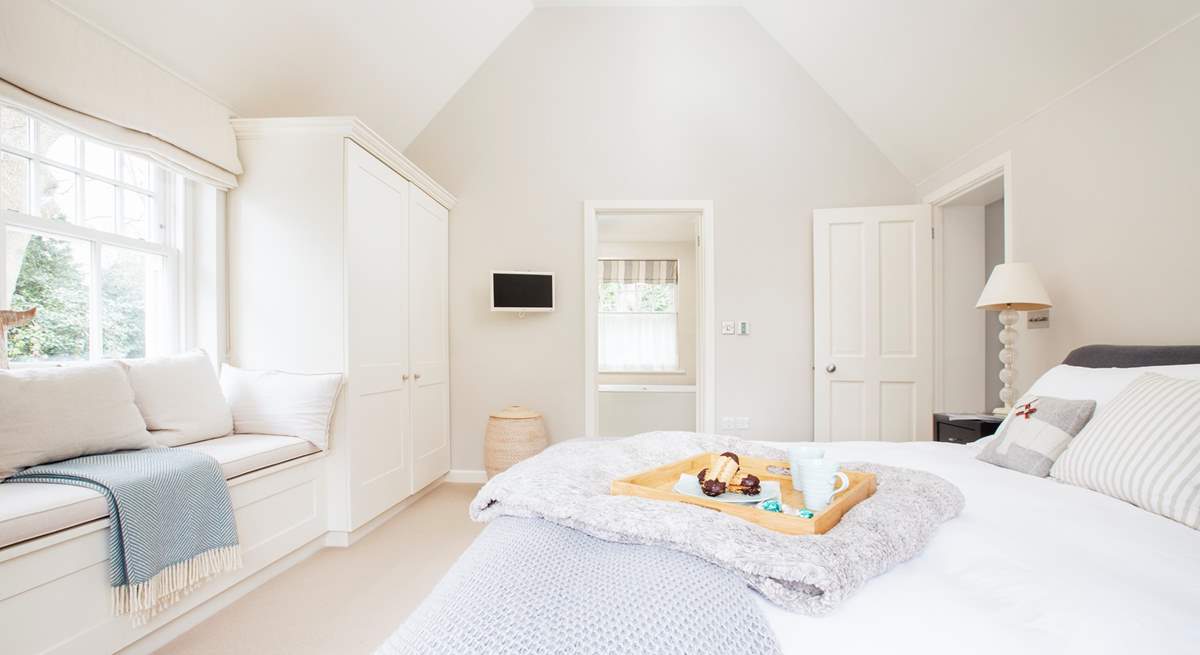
(1014, 286)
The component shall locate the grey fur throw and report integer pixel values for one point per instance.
(569, 484)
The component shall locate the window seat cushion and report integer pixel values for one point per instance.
(28, 511)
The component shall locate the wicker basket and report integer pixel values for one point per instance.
(513, 434)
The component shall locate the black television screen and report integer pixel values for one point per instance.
(522, 292)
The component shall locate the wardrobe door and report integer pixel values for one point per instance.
(429, 341)
(377, 247)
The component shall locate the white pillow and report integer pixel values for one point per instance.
(180, 398)
(56, 413)
(274, 402)
(1100, 384)
(1145, 449)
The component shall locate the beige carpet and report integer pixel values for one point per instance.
(345, 600)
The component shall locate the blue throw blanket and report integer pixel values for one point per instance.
(171, 522)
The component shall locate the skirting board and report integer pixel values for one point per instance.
(466, 476)
(161, 637)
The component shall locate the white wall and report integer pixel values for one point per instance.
(1105, 202)
(640, 103)
(685, 253)
(963, 276)
(624, 413)
(993, 216)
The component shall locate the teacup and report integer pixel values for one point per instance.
(817, 478)
(798, 457)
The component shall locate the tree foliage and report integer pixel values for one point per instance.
(53, 281)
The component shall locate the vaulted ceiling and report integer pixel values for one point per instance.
(927, 80)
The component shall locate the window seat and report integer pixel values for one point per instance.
(28, 511)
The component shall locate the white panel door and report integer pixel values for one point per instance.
(377, 251)
(872, 324)
(429, 330)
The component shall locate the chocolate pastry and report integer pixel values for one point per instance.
(712, 487)
(723, 468)
(745, 483)
(709, 486)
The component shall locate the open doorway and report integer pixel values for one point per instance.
(647, 285)
(972, 236)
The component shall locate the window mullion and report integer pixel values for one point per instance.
(95, 316)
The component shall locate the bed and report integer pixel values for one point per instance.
(1031, 565)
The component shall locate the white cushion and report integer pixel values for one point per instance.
(240, 454)
(56, 413)
(180, 398)
(275, 402)
(28, 511)
(1100, 384)
(1143, 449)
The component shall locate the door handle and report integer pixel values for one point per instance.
(404, 377)
(831, 368)
(416, 376)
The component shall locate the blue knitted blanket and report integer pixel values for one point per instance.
(531, 587)
(171, 522)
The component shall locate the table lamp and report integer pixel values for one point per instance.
(1011, 288)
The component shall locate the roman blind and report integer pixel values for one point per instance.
(644, 271)
(56, 66)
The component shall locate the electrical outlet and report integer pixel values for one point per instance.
(728, 327)
(743, 328)
(728, 422)
(742, 423)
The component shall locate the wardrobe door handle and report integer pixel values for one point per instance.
(404, 378)
(831, 368)
(416, 376)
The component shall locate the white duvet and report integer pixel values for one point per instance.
(1030, 566)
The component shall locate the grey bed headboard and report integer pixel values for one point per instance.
(1102, 356)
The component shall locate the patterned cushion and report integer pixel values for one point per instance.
(1036, 433)
(1144, 448)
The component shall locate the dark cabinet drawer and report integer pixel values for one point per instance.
(962, 430)
(957, 434)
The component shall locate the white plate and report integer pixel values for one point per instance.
(688, 485)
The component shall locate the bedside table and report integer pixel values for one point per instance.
(949, 427)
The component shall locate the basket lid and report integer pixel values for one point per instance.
(515, 411)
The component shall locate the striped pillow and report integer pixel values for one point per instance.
(1143, 448)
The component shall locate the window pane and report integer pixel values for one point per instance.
(135, 171)
(14, 128)
(656, 297)
(131, 302)
(14, 183)
(56, 193)
(99, 159)
(100, 206)
(52, 274)
(55, 143)
(135, 214)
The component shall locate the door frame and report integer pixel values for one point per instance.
(997, 167)
(706, 344)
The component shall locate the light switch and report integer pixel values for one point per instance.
(728, 327)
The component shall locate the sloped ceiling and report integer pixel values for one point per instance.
(394, 64)
(927, 80)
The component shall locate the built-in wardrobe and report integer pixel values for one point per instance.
(337, 250)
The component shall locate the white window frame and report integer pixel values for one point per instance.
(166, 192)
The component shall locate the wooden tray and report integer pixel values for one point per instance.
(659, 483)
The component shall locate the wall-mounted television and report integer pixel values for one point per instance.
(522, 291)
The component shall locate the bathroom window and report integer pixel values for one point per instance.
(639, 316)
